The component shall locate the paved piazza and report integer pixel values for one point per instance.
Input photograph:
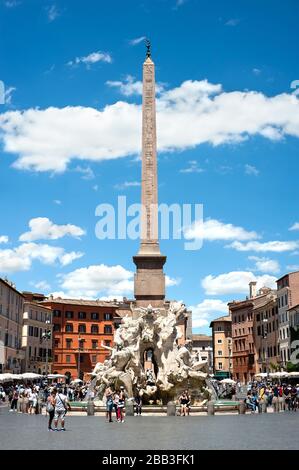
(271, 431)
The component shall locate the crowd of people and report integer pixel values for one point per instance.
(258, 393)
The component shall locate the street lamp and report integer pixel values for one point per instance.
(79, 354)
(46, 336)
(265, 336)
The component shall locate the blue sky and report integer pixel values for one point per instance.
(228, 128)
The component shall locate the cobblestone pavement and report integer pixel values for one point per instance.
(260, 431)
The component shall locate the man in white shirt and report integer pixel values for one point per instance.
(61, 406)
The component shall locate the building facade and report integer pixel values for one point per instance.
(203, 346)
(11, 317)
(81, 329)
(222, 347)
(37, 338)
(266, 334)
(287, 297)
(245, 357)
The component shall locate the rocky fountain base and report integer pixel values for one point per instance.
(147, 358)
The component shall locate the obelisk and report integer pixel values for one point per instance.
(149, 280)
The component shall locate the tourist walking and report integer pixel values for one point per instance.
(14, 399)
(61, 407)
(109, 404)
(121, 405)
(51, 408)
(115, 404)
(32, 402)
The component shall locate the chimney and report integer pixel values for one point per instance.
(252, 289)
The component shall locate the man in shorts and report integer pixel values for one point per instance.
(61, 406)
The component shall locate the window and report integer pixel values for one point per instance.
(57, 313)
(81, 358)
(56, 327)
(94, 316)
(219, 341)
(69, 328)
(220, 365)
(56, 343)
(107, 342)
(258, 317)
(68, 358)
(82, 328)
(94, 344)
(81, 343)
(219, 328)
(219, 353)
(56, 358)
(93, 359)
(107, 316)
(94, 329)
(108, 329)
(69, 314)
(68, 343)
(81, 315)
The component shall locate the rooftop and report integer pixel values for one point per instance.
(201, 338)
(87, 303)
(227, 318)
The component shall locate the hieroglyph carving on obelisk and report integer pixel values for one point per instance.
(149, 198)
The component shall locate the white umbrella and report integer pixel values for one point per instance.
(293, 374)
(30, 376)
(56, 376)
(278, 374)
(77, 381)
(6, 377)
(227, 381)
(261, 374)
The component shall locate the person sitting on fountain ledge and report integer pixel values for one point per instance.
(185, 403)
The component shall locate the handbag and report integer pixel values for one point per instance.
(49, 407)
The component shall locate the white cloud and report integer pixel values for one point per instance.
(94, 280)
(295, 226)
(41, 228)
(134, 42)
(57, 201)
(192, 168)
(42, 286)
(127, 184)
(92, 58)
(130, 86)
(212, 230)
(21, 257)
(4, 239)
(256, 71)
(194, 113)
(293, 267)
(95, 187)
(52, 12)
(233, 22)
(170, 281)
(265, 265)
(87, 172)
(203, 312)
(251, 170)
(8, 94)
(11, 3)
(275, 246)
(235, 282)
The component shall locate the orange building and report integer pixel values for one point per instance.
(80, 327)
